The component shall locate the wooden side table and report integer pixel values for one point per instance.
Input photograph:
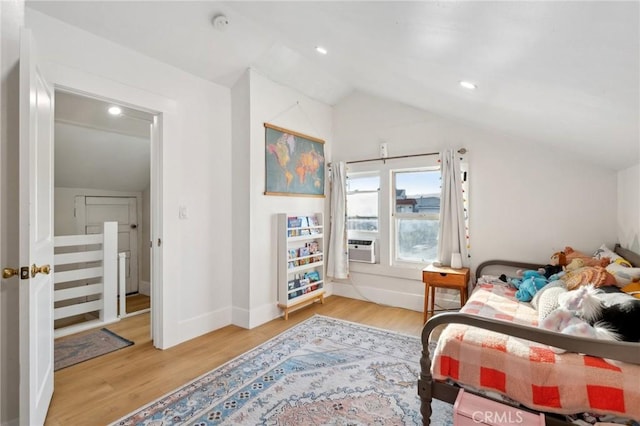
(444, 277)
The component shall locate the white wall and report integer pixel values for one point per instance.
(11, 19)
(241, 196)
(629, 208)
(284, 107)
(524, 203)
(196, 154)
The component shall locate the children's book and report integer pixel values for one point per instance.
(293, 223)
(312, 276)
(313, 224)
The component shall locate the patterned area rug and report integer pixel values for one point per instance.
(84, 346)
(323, 371)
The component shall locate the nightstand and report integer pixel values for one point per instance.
(443, 277)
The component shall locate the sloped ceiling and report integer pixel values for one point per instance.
(95, 150)
(565, 75)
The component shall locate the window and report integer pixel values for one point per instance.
(416, 214)
(362, 202)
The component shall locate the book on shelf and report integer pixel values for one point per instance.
(293, 223)
(312, 276)
(304, 226)
(303, 252)
(293, 253)
(313, 247)
(313, 224)
(292, 284)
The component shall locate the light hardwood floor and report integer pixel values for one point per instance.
(99, 391)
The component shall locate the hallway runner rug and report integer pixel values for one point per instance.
(322, 371)
(71, 350)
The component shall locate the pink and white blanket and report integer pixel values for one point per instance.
(528, 372)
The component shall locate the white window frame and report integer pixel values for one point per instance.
(385, 234)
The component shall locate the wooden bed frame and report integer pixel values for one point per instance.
(428, 388)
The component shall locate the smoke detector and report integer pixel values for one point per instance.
(220, 22)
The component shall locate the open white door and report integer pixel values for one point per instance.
(36, 238)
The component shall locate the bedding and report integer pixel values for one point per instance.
(494, 344)
(529, 372)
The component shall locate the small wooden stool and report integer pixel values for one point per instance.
(443, 277)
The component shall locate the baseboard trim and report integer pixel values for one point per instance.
(197, 326)
(240, 317)
(415, 302)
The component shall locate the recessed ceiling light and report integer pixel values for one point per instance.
(321, 50)
(114, 110)
(468, 85)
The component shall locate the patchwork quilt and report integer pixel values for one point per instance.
(528, 372)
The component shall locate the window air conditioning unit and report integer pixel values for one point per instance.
(362, 251)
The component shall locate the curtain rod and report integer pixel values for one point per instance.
(460, 151)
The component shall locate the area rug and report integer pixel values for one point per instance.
(322, 371)
(81, 347)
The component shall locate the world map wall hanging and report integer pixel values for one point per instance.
(294, 163)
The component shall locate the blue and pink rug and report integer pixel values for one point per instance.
(322, 371)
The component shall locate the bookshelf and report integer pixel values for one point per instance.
(300, 260)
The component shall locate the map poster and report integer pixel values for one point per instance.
(294, 163)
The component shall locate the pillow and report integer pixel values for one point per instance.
(623, 275)
(596, 275)
(572, 254)
(632, 289)
(605, 251)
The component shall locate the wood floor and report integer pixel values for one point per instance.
(104, 389)
(134, 303)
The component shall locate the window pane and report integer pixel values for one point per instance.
(362, 211)
(417, 240)
(362, 202)
(418, 192)
(363, 183)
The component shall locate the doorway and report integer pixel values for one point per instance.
(92, 212)
(103, 173)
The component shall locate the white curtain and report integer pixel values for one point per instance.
(452, 235)
(338, 256)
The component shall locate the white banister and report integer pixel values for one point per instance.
(110, 265)
(83, 286)
(122, 283)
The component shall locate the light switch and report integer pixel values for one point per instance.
(182, 212)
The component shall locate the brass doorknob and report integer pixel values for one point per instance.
(44, 269)
(9, 272)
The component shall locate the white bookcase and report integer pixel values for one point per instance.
(300, 260)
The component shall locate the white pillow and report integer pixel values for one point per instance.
(605, 251)
(622, 274)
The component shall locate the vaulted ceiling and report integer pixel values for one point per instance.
(558, 73)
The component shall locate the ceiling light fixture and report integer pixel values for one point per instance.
(114, 110)
(468, 85)
(321, 50)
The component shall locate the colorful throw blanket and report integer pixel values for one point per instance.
(528, 372)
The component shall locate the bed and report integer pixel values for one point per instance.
(493, 344)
